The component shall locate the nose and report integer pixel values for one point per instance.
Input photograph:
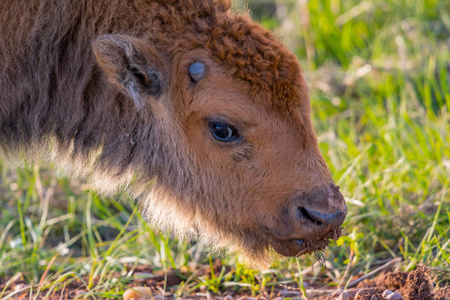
(311, 215)
(323, 207)
(309, 222)
(320, 219)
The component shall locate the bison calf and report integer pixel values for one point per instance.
(198, 112)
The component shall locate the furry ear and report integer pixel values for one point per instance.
(132, 64)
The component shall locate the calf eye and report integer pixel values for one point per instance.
(197, 71)
(224, 132)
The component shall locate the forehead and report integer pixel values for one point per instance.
(220, 94)
(258, 58)
(253, 53)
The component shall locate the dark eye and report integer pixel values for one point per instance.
(224, 132)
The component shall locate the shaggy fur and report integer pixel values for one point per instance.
(102, 89)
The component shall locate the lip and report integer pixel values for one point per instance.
(297, 247)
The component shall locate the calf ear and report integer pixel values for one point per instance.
(132, 64)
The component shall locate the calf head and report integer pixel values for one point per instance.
(235, 159)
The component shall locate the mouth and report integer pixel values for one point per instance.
(297, 246)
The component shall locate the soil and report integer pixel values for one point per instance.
(415, 285)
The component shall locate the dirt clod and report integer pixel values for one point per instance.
(387, 281)
(442, 294)
(414, 285)
(419, 285)
(367, 294)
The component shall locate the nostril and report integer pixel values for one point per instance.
(305, 214)
(320, 219)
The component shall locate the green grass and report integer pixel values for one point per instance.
(379, 75)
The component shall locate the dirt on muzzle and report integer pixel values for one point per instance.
(298, 247)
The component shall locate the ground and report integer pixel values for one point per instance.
(414, 285)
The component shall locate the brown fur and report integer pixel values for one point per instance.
(65, 96)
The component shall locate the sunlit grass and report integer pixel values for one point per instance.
(379, 77)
